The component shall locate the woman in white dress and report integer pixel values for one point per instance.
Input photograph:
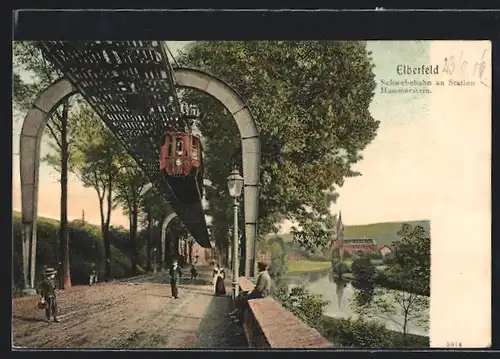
(218, 280)
(214, 273)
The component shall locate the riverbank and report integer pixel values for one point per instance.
(352, 333)
(303, 266)
(308, 270)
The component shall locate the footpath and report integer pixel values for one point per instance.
(134, 313)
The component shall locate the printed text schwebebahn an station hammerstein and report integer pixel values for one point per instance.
(422, 86)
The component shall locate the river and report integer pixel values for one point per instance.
(321, 284)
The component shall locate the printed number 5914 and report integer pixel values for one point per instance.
(453, 344)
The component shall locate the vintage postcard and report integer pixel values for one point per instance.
(259, 194)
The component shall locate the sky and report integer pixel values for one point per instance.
(394, 161)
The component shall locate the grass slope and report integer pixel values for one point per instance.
(383, 233)
(16, 214)
(301, 266)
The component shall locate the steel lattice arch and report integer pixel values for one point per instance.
(130, 86)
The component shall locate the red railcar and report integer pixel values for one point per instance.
(181, 163)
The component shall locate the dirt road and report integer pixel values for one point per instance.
(136, 314)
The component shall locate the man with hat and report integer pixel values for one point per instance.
(261, 290)
(175, 277)
(48, 294)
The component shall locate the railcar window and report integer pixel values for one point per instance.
(178, 146)
(194, 150)
(169, 144)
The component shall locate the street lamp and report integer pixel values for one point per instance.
(191, 242)
(235, 185)
(154, 260)
(212, 245)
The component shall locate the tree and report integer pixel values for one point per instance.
(279, 265)
(130, 181)
(311, 100)
(262, 246)
(98, 168)
(412, 260)
(153, 208)
(221, 211)
(411, 268)
(398, 307)
(365, 274)
(33, 74)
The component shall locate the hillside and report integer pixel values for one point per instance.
(383, 233)
(17, 214)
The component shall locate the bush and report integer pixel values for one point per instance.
(385, 279)
(86, 248)
(278, 266)
(304, 305)
(365, 278)
(359, 333)
(47, 248)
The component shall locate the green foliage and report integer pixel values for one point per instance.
(86, 248)
(304, 305)
(411, 269)
(279, 265)
(47, 248)
(386, 279)
(100, 162)
(319, 88)
(357, 333)
(130, 181)
(390, 304)
(28, 59)
(412, 260)
(360, 333)
(335, 254)
(339, 268)
(98, 166)
(365, 278)
(156, 204)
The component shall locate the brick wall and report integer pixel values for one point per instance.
(268, 325)
(365, 248)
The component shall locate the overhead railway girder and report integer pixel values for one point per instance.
(130, 85)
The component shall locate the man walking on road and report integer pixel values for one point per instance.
(175, 277)
(93, 275)
(48, 294)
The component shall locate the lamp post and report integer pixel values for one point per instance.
(191, 243)
(235, 185)
(212, 252)
(154, 260)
